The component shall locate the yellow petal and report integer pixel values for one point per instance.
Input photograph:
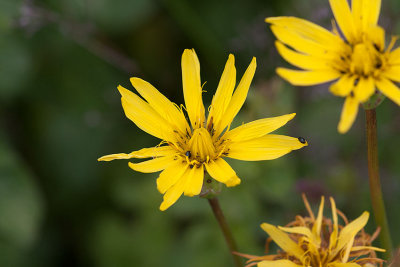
(283, 240)
(278, 263)
(316, 229)
(389, 89)
(144, 116)
(221, 171)
(194, 181)
(152, 152)
(223, 94)
(257, 128)
(394, 57)
(301, 230)
(393, 73)
(333, 237)
(175, 192)
(364, 89)
(343, 86)
(192, 88)
(349, 114)
(365, 13)
(341, 264)
(344, 18)
(349, 232)
(264, 148)
(239, 96)
(168, 110)
(357, 248)
(300, 60)
(306, 29)
(171, 175)
(303, 78)
(153, 165)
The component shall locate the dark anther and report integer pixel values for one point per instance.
(302, 140)
(356, 81)
(377, 47)
(191, 166)
(209, 181)
(378, 65)
(188, 154)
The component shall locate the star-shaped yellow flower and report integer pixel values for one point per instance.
(320, 242)
(188, 150)
(355, 55)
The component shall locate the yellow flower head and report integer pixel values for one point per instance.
(355, 55)
(320, 242)
(187, 150)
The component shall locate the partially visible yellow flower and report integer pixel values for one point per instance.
(355, 55)
(187, 151)
(319, 242)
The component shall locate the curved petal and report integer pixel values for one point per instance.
(223, 94)
(264, 148)
(278, 263)
(153, 165)
(343, 86)
(175, 192)
(304, 78)
(300, 60)
(238, 98)
(194, 181)
(389, 89)
(257, 128)
(344, 18)
(283, 240)
(192, 88)
(364, 89)
(165, 108)
(144, 116)
(171, 175)
(221, 171)
(349, 114)
(316, 229)
(152, 152)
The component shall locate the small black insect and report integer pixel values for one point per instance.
(302, 140)
(188, 154)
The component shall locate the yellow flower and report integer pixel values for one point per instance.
(355, 55)
(186, 151)
(317, 242)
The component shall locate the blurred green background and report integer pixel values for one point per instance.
(60, 63)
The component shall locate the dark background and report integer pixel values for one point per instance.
(60, 64)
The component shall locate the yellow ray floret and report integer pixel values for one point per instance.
(188, 148)
(355, 55)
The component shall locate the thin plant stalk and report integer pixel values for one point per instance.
(216, 208)
(378, 204)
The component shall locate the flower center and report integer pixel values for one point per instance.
(201, 146)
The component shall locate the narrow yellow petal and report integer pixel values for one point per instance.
(165, 108)
(365, 13)
(153, 152)
(278, 263)
(344, 18)
(316, 229)
(264, 148)
(304, 78)
(153, 165)
(192, 91)
(301, 230)
(221, 171)
(357, 248)
(171, 175)
(343, 86)
(364, 89)
(238, 98)
(394, 57)
(144, 116)
(306, 29)
(349, 114)
(223, 94)
(175, 192)
(257, 128)
(194, 181)
(389, 89)
(334, 234)
(349, 231)
(300, 60)
(283, 240)
(341, 264)
(393, 73)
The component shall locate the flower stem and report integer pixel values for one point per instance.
(216, 208)
(378, 204)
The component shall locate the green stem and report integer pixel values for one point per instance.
(216, 208)
(378, 204)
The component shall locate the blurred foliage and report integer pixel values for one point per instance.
(60, 63)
